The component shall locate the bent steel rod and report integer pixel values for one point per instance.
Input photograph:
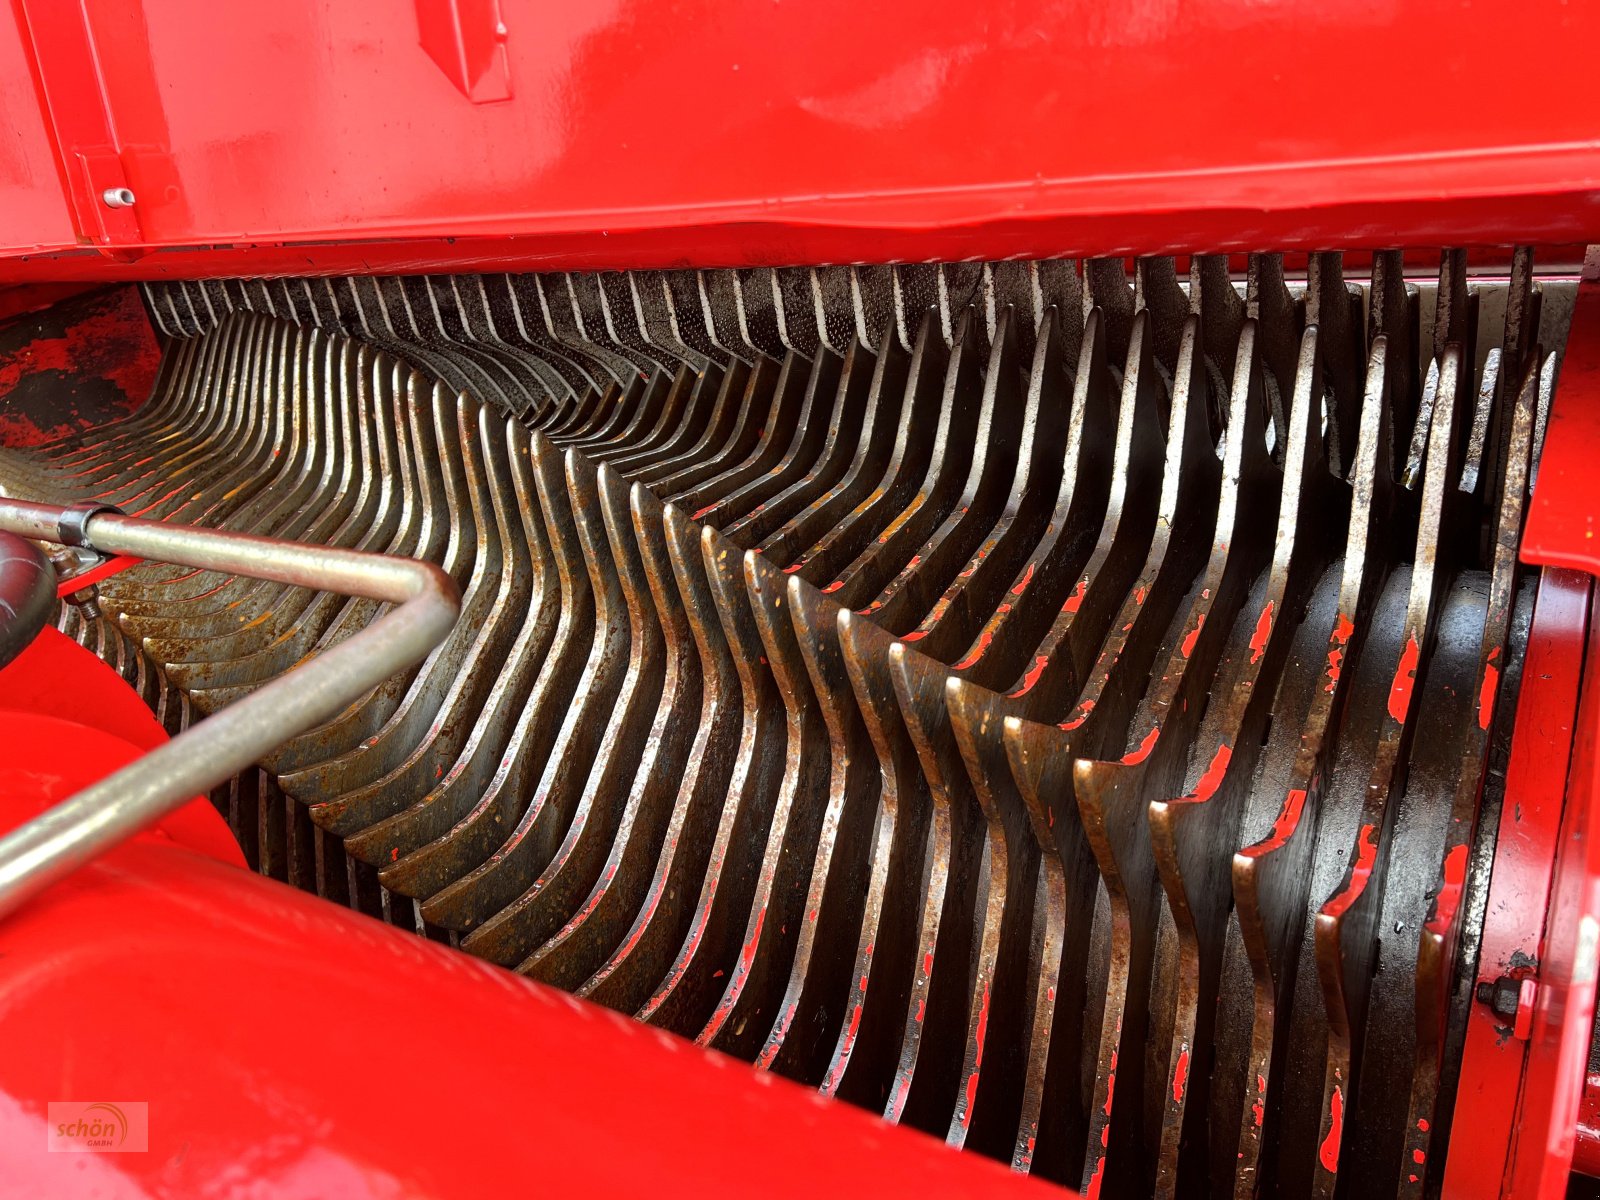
(89, 823)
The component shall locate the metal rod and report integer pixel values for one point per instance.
(87, 824)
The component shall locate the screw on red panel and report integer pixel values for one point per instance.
(1512, 998)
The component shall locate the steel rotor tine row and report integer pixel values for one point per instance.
(866, 671)
(1186, 830)
(1440, 933)
(1345, 928)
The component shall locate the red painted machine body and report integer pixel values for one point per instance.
(300, 136)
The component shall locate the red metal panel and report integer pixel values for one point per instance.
(639, 132)
(1563, 1018)
(1525, 848)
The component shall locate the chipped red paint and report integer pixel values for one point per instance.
(90, 360)
(1031, 677)
(916, 635)
(1139, 594)
(1419, 1156)
(1085, 708)
(1193, 636)
(1487, 693)
(1455, 878)
(1022, 584)
(1092, 1192)
(979, 1035)
(1288, 821)
(1134, 757)
(1330, 1144)
(1180, 1077)
(832, 587)
(1212, 779)
(1422, 1124)
(985, 636)
(1405, 678)
(1076, 599)
(1263, 633)
(1258, 1107)
(1360, 872)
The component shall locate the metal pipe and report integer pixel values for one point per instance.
(87, 824)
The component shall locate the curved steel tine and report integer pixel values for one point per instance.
(657, 298)
(293, 469)
(436, 307)
(1272, 872)
(544, 907)
(800, 1027)
(818, 388)
(751, 1008)
(754, 412)
(1440, 932)
(1016, 626)
(579, 419)
(541, 385)
(637, 967)
(705, 423)
(616, 410)
(458, 823)
(873, 298)
(132, 461)
(370, 525)
(598, 322)
(1101, 725)
(666, 401)
(618, 310)
(1524, 307)
(1058, 664)
(394, 529)
(822, 1019)
(325, 470)
(866, 404)
(914, 290)
(1335, 309)
(689, 407)
(795, 308)
(439, 328)
(1345, 926)
(779, 426)
(1279, 319)
(562, 318)
(724, 323)
(832, 307)
(688, 453)
(431, 535)
(263, 614)
(756, 309)
(1375, 1109)
(979, 589)
(383, 308)
(522, 331)
(631, 422)
(598, 926)
(686, 996)
(957, 517)
(1156, 292)
(896, 464)
(1185, 831)
(556, 797)
(469, 557)
(357, 807)
(447, 869)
